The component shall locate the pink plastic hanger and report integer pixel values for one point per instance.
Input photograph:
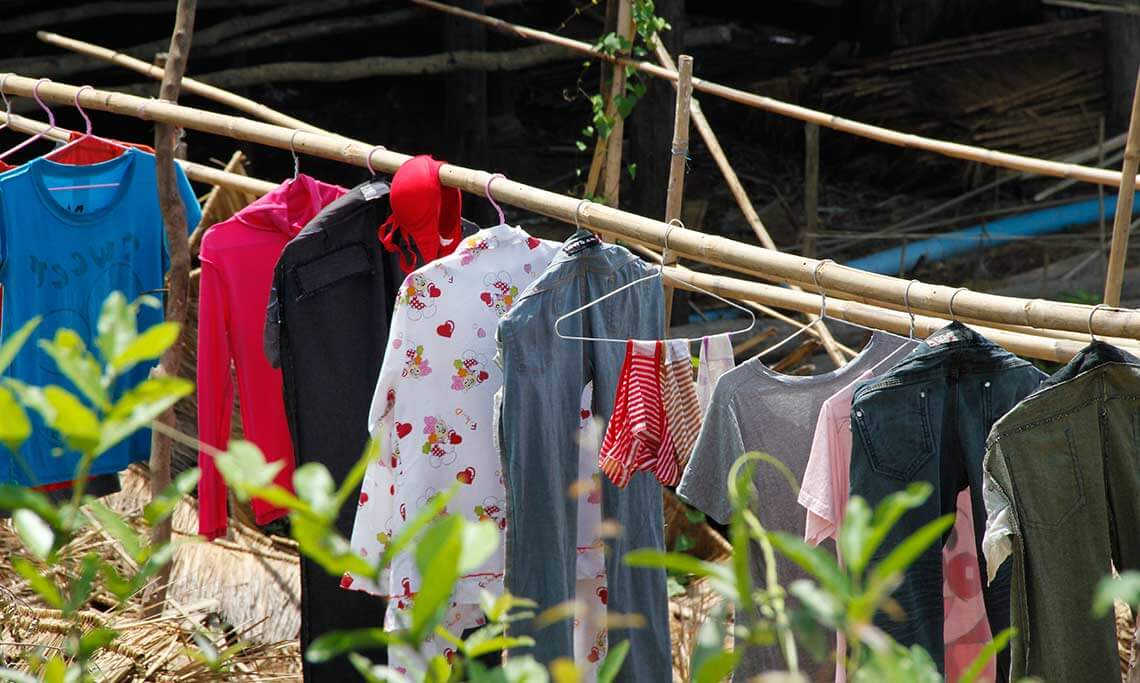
(87, 135)
(491, 198)
(37, 136)
(7, 103)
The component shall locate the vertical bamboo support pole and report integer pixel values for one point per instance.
(178, 282)
(811, 188)
(679, 154)
(611, 175)
(1122, 222)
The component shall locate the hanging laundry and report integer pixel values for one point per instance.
(716, 358)
(424, 213)
(238, 256)
(326, 327)
(542, 378)
(432, 409)
(83, 149)
(682, 410)
(754, 408)
(1062, 484)
(926, 420)
(69, 236)
(636, 439)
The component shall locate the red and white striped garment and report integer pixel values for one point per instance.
(682, 410)
(636, 432)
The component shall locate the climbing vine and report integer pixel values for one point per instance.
(647, 25)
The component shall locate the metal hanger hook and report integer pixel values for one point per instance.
(819, 288)
(577, 212)
(906, 302)
(86, 118)
(674, 223)
(1092, 337)
(293, 151)
(956, 293)
(368, 158)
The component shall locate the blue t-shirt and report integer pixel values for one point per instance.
(62, 252)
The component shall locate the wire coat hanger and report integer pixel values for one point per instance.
(659, 273)
(37, 136)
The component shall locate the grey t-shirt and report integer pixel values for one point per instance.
(754, 408)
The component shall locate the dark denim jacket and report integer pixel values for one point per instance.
(927, 419)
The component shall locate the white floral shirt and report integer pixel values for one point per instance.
(433, 405)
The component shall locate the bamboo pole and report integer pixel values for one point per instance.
(678, 159)
(811, 188)
(955, 150)
(191, 86)
(194, 171)
(611, 176)
(178, 278)
(837, 280)
(1031, 346)
(1122, 222)
(835, 351)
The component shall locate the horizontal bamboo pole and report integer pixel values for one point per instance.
(756, 261)
(955, 150)
(189, 85)
(1030, 346)
(194, 171)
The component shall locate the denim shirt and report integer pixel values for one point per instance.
(543, 377)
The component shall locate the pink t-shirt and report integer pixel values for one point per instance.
(824, 495)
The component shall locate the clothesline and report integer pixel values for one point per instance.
(836, 280)
(1016, 162)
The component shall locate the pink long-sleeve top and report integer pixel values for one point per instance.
(238, 256)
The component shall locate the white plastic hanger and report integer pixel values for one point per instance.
(297, 159)
(656, 275)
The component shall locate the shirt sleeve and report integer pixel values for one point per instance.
(997, 542)
(719, 444)
(818, 490)
(271, 337)
(215, 396)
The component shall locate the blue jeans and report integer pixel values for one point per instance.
(543, 378)
(927, 419)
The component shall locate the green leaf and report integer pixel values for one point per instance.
(854, 533)
(80, 588)
(15, 427)
(16, 341)
(315, 486)
(723, 579)
(117, 528)
(416, 524)
(319, 541)
(887, 513)
(479, 541)
(1126, 589)
(141, 405)
(375, 674)
(716, 667)
(825, 607)
(244, 468)
(527, 670)
(63, 412)
(438, 671)
(14, 497)
(116, 327)
(55, 671)
(986, 654)
(334, 644)
(147, 346)
(497, 608)
(817, 562)
(908, 551)
(122, 588)
(631, 169)
(612, 664)
(350, 487)
(77, 364)
(93, 641)
(498, 645)
(162, 506)
(36, 534)
(437, 558)
(42, 585)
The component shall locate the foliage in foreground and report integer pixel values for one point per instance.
(96, 413)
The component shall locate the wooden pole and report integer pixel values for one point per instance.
(1118, 252)
(955, 150)
(194, 171)
(837, 280)
(611, 183)
(178, 278)
(191, 86)
(678, 159)
(811, 188)
(835, 351)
